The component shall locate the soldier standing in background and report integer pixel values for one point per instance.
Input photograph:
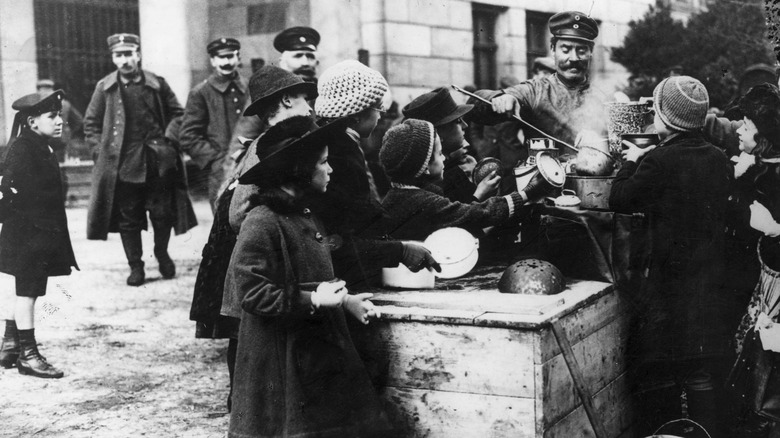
(213, 108)
(137, 170)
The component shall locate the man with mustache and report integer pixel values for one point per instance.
(137, 169)
(213, 109)
(298, 48)
(562, 104)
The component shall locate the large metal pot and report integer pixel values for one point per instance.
(593, 191)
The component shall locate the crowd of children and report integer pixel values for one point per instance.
(299, 227)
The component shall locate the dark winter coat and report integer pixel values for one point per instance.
(683, 186)
(456, 185)
(297, 371)
(34, 240)
(213, 108)
(414, 213)
(348, 210)
(104, 125)
(210, 282)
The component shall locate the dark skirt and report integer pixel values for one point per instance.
(210, 281)
(30, 251)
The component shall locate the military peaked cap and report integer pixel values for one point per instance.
(223, 44)
(297, 38)
(574, 25)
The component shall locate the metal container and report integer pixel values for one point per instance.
(626, 118)
(593, 191)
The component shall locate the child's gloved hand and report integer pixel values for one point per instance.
(761, 219)
(360, 307)
(539, 188)
(329, 294)
(487, 186)
(743, 163)
(417, 257)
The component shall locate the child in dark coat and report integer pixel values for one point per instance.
(34, 241)
(412, 157)
(683, 185)
(297, 371)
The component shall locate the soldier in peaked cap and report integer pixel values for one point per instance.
(298, 48)
(34, 240)
(562, 104)
(137, 169)
(213, 109)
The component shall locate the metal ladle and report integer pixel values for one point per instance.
(515, 116)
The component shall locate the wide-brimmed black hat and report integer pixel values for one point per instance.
(437, 107)
(270, 81)
(289, 133)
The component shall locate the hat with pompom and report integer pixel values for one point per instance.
(681, 102)
(407, 149)
(347, 88)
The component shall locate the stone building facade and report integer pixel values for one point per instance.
(417, 44)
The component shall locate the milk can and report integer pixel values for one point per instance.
(626, 118)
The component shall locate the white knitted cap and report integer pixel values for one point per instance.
(347, 88)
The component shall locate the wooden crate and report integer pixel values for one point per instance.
(478, 363)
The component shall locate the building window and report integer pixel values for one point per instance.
(70, 40)
(266, 18)
(484, 18)
(537, 37)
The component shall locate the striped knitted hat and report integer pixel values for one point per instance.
(407, 149)
(347, 88)
(681, 102)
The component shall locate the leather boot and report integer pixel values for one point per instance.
(31, 362)
(9, 349)
(162, 235)
(131, 241)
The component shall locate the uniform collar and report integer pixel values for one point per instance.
(221, 83)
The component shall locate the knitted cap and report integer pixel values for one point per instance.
(347, 88)
(407, 149)
(681, 102)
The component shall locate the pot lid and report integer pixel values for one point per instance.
(451, 245)
(551, 169)
(567, 199)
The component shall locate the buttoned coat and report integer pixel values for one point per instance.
(34, 240)
(104, 131)
(297, 371)
(213, 108)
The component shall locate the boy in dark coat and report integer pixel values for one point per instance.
(415, 207)
(682, 185)
(34, 241)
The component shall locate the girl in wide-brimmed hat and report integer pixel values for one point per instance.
(297, 371)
